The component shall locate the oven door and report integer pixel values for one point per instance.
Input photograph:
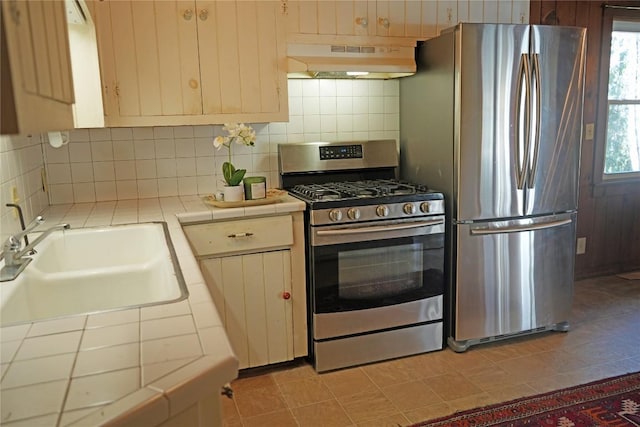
(372, 265)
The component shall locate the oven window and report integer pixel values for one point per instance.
(362, 275)
(379, 272)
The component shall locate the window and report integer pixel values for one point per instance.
(619, 137)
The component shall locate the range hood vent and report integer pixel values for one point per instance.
(350, 61)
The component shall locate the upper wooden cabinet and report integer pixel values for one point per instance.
(192, 62)
(392, 18)
(37, 89)
(416, 19)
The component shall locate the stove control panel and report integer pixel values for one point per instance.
(332, 152)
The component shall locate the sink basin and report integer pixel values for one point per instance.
(89, 270)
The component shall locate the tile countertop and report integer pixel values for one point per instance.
(136, 366)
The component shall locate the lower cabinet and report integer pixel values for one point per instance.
(253, 295)
(254, 268)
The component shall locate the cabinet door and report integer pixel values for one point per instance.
(253, 296)
(242, 58)
(37, 88)
(149, 59)
(192, 62)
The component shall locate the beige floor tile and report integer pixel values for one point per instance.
(388, 373)
(472, 401)
(305, 392)
(372, 405)
(470, 361)
(429, 412)
(527, 367)
(411, 395)
(494, 379)
(281, 418)
(249, 383)
(347, 382)
(229, 410)
(293, 374)
(259, 401)
(452, 386)
(426, 365)
(324, 414)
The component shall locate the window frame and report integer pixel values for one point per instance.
(610, 14)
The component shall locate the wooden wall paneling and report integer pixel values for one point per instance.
(210, 58)
(447, 14)
(520, 12)
(267, 50)
(548, 12)
(255, 320)
(191, 83)
(504, 12)
(249, 56)
(490, 11)
(327, 17)
(235, 312)
(229, 55)
(633, 231)
(413, 12)
(52, 34)
(476, 11)
(430, 19)
(278, 321)
(361, 10)
(345, 18)
(463, 10)
(167, 20)
(148, 68)
(40, 37)
(307, 16)
(121, 32)
(566, 13)
(534, 11)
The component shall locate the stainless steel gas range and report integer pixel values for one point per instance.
(375, 252)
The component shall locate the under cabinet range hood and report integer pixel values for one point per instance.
(360, 61)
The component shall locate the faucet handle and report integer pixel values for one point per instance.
(28, 229)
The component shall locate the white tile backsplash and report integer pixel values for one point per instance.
(133, 163)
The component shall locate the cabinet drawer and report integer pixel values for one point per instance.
(238, 236)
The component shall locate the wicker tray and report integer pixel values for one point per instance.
(273, 196)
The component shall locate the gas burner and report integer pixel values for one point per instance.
(357, 190)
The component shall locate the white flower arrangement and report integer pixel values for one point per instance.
(240, 134)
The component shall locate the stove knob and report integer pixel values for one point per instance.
(409, 208)
(335, 215)
(424, 207)
(382, 210)
(353, 213)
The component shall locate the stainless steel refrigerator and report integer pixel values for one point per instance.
(493, 119)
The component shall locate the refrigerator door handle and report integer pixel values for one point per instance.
(519, 228)
(521, 152)
(538, 110)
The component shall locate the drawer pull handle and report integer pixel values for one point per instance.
(286, 295)
(237, 235)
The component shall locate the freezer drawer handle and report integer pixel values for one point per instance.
(519, 228)
(382, 228)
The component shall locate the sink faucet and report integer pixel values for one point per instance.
(14, 254)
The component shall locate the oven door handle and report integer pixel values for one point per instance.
(379, 228)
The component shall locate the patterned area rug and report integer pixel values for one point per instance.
(611, 402)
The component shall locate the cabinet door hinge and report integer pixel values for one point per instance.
(284, 7)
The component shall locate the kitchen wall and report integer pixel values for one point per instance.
(132, 163)
(21, 163)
